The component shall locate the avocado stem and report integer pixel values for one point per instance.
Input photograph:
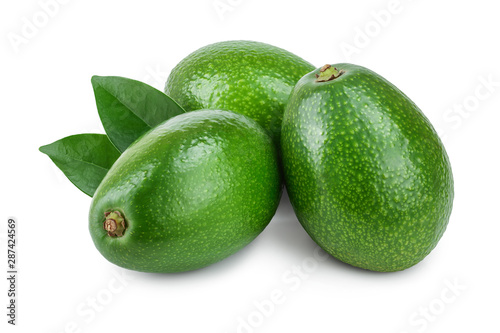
(114, 224)
(328, 73)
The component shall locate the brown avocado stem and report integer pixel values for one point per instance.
(328, 73)
(114, 224)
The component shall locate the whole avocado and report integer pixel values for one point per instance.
(251, 78)
(367, 175)
(188, 193)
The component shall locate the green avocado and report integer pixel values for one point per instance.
(188, 193)
(367, 175)
(251, 78)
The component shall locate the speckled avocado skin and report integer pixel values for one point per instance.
(367, 175)
(193, 190)
(251, 78)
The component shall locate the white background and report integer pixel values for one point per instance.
(440, 53)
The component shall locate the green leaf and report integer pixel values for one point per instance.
(128, 108)
(84, 159)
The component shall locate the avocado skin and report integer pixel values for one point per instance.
(367, 175)
(193, 190)
(247, 77)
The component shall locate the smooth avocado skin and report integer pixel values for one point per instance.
(367, 175)
(247, 77)
(193, 190)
